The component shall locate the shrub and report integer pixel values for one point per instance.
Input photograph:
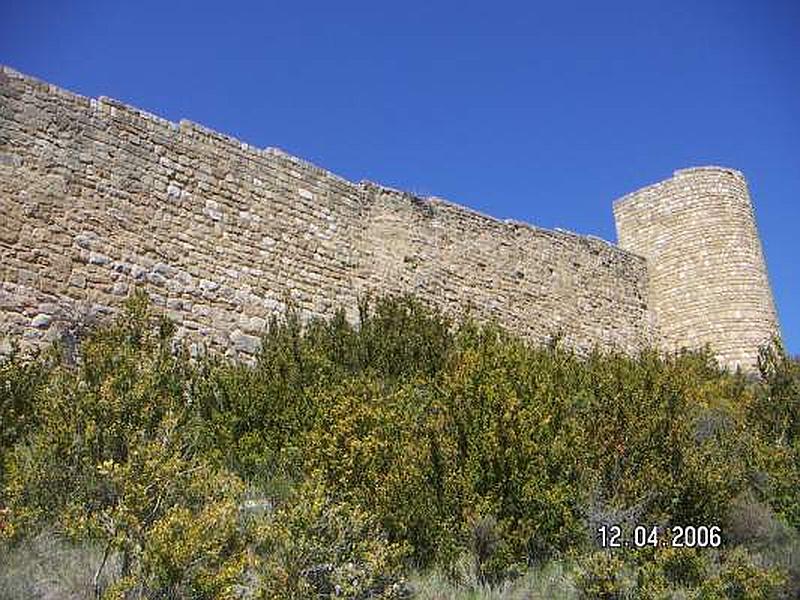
(21, 379)
(740, 578)
(188, 554)
(751, 522)
(314, 547)
(406, 431)
(602, 576)
(683, 566)
(112, 459)
(776, 414)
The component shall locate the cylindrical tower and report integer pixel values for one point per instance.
(708, 281)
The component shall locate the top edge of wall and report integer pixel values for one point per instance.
(687, 173)
(187, 127)
(184, 126)
(446, 204)
(691, 171)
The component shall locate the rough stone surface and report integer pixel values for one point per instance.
(708, 281)
(41, 321)
(97, 197)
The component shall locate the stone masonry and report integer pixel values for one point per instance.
(707, 277)
(97, 197)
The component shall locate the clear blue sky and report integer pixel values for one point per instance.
(538, 111)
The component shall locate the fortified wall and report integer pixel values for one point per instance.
(97, 197)
(707, 276)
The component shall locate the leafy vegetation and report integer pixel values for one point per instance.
(396, 457)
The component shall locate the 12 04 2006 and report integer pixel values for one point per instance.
(654, 536)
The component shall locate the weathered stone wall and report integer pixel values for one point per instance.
(534, 281)
(707, 278)
(96, 197)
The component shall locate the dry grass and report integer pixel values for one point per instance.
(49, 568)
(553, 581)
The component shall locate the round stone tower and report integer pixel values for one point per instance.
(708, 281)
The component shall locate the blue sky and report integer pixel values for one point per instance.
(539, 111)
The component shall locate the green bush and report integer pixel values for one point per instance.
(776, 415)
(21, 378)
(740, 578)
(113, 456)
(602, 576)
(314, 547)
(405, 440)
(683, 566)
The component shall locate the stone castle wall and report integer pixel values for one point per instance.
(707, 277)
(96, 197)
